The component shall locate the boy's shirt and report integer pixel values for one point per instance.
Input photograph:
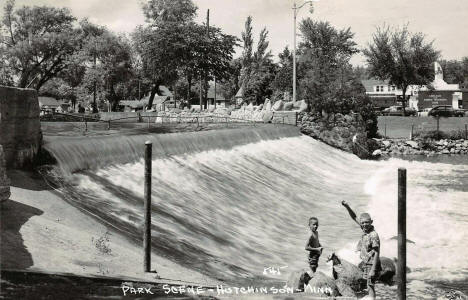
(367, 243)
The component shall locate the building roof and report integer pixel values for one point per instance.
(164, 91)
(50, 102)
(143, 102)
(240, 93)
(370, 83)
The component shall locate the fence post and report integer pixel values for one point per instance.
(385, 131)
(411, 134)
(149, 121)
(147, 196)
(86, 125)
(108, 124)
(401, 265)
(437, 124)
(466, 132)
(295, 122)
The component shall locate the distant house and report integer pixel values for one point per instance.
(51, 105)
(162, 100)
(214, 96)
(140, 105)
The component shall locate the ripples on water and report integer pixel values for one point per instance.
(232, 212)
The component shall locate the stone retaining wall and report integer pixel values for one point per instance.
(20, 128)
(4, 182)
(241, 115)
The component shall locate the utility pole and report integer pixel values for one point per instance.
(203, 79)
(207, 38)
(296, 9)
(95, 84)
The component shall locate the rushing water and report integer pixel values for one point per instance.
(232, 211)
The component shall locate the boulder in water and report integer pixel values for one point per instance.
(344, 289)
(298, 279)
(321, 286)
(388, 272)
(347, 273)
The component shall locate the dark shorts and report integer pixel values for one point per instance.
(313, 260)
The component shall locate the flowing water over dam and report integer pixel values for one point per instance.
(231, 202)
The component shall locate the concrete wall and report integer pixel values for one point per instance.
(20, 129)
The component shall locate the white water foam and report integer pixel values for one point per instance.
(248, 206)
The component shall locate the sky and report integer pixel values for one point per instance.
(443, 21)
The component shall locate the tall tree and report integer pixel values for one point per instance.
(455, 71)
(161, 44)
(401, 57)
(258, 70)
(38, 44)
(247, 54)
(283, 79)
(323, 69)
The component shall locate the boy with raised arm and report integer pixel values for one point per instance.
(313, 245)
(369, 248)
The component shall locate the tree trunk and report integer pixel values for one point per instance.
(189, 81)
(403, 101)
(154, 89)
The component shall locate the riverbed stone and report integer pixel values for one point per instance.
(321, 286)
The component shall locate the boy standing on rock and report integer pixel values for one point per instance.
(369, 247)
(313, 245)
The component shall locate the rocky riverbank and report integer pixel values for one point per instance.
(389, 147)
(345, 132)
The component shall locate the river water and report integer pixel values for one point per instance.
(234, 208)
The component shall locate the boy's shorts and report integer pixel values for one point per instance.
(313, 260)
(365, 274)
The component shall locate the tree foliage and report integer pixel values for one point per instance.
(38, 43)
(455, 71)
(258, 69)
(401, 57)
(324, 70)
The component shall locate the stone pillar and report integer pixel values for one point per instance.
(20, 128)
(4, 181)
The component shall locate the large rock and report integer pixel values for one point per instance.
(267, 105)
(347, 273)
(344, 289)
(321, 286)
(4, 182)
(278, 105)
(388, 272)
(288, 106)
(302, 106)
(298, 279)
